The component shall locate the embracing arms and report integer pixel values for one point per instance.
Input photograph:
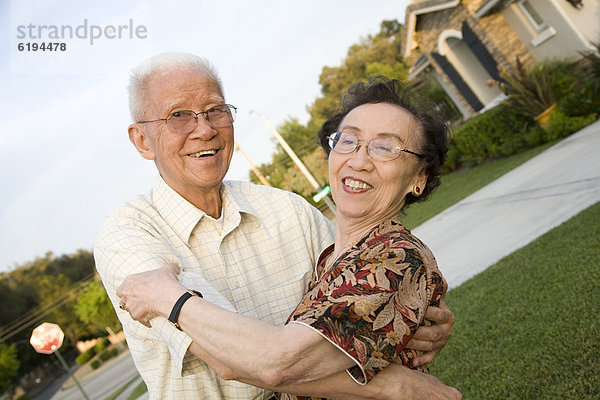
(298, 358)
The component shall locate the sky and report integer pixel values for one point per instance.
(65, 157)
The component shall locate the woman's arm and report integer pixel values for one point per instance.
(153, 293)
(394, 382)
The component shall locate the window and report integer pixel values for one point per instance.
(532, 15)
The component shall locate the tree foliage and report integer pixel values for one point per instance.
(44, 290)
(375, 55)
(95, 309)
(9, 366)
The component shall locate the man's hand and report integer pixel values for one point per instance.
(149, 294)
(431, 339)
(396, 382)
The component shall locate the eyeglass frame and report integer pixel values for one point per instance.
(231, 107)
(358, 146)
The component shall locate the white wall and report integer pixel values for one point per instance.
(566, 30)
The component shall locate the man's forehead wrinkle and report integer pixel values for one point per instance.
(190, 99)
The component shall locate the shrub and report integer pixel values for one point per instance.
(108, 354)
(24, 396)
(101, 345)
(532, 92)
(105, 355)
(95, 364)
(83, 358)
(498, 132)
(561, 125)
(585, 98)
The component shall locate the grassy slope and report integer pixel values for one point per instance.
(529, 327)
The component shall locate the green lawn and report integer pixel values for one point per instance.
(139, 390)
(529, 326)
(458, 185)
(121, 389)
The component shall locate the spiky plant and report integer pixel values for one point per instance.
(531, 92)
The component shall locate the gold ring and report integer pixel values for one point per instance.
(122, 306)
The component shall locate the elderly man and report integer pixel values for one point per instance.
(255, 245)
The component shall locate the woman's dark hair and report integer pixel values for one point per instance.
(435, 135)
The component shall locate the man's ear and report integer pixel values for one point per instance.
(139, 137)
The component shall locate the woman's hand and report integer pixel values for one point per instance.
(150, 294)
(431, 339)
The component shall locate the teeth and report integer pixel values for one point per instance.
(203, 153)
(352, 184)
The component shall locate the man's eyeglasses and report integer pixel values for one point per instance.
(380, 149)
(185, 121)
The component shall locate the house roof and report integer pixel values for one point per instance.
(419, 7)
(486, 7)
(419, 66)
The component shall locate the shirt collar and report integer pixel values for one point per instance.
(235, 206)
(183, 216)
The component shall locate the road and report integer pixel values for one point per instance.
(103, 382)
(517, 208)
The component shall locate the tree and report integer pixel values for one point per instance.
(95, 309)
(300, 138)
(44, 289)
(375, 55)
(379, 54)
(9, 366)
(295, 181)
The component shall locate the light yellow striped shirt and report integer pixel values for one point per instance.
(259, 256)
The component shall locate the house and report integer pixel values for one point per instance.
(463, 44)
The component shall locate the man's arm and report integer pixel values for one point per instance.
(395, 382)
(432, 339)
(198, 317)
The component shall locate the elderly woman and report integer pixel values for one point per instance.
(370, 289)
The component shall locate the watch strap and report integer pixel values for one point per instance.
(174, 316)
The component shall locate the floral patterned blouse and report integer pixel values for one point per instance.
(372, 299)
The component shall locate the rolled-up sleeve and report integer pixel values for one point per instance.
(127, 245)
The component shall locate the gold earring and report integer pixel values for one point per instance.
(416, 191)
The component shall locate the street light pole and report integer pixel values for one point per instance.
(256, 171)
(297, 161)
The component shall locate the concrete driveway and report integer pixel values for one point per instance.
(517, 208)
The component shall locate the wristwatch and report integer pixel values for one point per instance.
(174, 316)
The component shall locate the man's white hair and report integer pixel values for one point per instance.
(141, 74)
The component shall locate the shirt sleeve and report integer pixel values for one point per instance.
(129, 244)
(318, 230)
(370, 307)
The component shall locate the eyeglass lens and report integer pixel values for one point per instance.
(379, 148)
(185, 121)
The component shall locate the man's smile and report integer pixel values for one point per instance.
(203, 153)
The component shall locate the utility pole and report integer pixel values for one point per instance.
(261, 177)
(298, 162)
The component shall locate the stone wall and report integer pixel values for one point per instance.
(492, 30)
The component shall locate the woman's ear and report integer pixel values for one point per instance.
(141, 140)
(421, 181)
